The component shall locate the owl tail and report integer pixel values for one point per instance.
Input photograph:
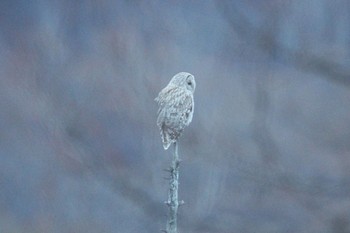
(165, 137)
(166, 140)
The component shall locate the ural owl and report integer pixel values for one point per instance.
(176, 107)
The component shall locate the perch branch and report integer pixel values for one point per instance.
(173, 201)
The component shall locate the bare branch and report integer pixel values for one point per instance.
(173, 201)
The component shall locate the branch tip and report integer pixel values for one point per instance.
(167, 169)
(167, 203)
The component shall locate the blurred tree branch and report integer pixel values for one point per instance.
(264, 37)
(262, 135)
(123, 185)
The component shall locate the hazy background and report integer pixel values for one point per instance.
(269, 146)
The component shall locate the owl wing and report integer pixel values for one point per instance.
(175, 112)
(175, 106)
(161, 99)
(165, 101)
(186, 107)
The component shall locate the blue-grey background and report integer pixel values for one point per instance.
(269, 146)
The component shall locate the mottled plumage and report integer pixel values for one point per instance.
(176, 107)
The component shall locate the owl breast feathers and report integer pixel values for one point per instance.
(176, 107)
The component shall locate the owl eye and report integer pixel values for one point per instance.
(189, 82)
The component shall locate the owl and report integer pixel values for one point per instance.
(176, 107)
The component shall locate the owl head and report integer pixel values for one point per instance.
(184, 80)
